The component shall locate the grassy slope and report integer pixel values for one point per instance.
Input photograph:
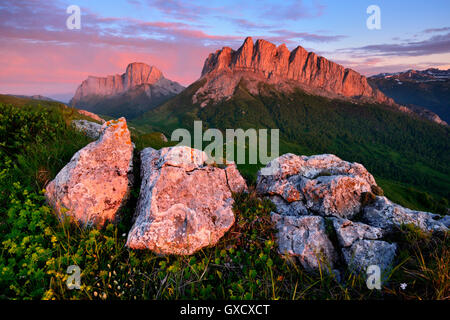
(36, 249)
(410, 157)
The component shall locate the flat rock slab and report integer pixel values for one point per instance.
(387, 215)
(184, 204)
(96, 182)
(348, 231)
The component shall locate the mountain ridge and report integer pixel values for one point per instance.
(263, 61)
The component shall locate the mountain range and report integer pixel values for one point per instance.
(425, 92)
(142, 87)
(318, 106)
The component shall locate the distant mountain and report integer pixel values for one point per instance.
(34, 97)
(139, 89)
(417, 76)
(265, 62)
(419, 90)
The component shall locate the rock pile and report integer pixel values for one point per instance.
(329, 212)
(313, 192)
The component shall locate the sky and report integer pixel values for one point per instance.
(40, 55)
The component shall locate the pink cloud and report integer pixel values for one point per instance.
(48, 58)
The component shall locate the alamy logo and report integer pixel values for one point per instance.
(373, 277)
(74, 20)
(374, 21)
(74, 279)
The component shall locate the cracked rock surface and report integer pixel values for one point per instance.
(184, 204)
(323, 184)
(305, 238)
(364, 253)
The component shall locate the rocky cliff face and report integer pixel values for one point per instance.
(264, 61)
(141, 84)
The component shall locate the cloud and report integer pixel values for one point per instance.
(40, 56)
(246, 24)
(437, 30)
(377, 65)
(183, 10)
(434, 45)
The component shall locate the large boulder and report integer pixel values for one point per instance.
(184, 204)
(324, 184)
(96, 182)
(305, 238)
(387, 215)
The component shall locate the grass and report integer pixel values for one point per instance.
(36, 248)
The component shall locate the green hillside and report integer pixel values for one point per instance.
(410, 157)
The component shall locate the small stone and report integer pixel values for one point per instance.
(364, 253)
(305, 238)
(89, 128)
(348, 232)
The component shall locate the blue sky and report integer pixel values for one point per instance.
(44, 57)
